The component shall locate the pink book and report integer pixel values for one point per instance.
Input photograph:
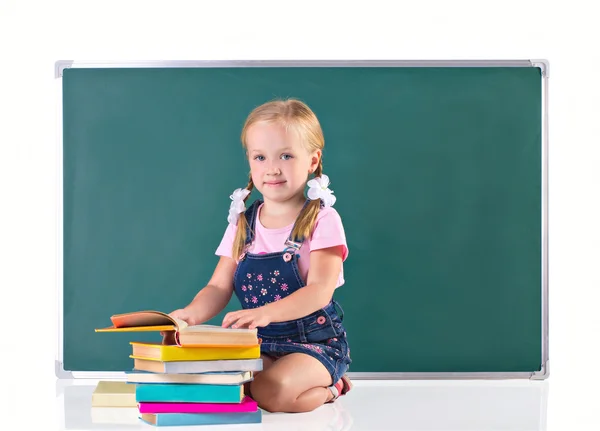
(247, 405)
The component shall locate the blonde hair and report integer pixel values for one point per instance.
(293, 115)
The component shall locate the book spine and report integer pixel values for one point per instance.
(189, 367)
(246, 406)
(185, 393)
(166, 419)
(208, 353)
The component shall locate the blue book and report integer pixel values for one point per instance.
(189, 393)
(174, 419)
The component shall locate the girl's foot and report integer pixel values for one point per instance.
(340, 388)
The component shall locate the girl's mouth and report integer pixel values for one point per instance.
(274, 183)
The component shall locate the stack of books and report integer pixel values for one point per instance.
(197, 381)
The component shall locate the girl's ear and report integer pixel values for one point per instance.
(315, 158)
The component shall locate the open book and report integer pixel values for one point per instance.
(197, 335)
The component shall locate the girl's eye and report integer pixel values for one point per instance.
(286, 156)
(259, 158)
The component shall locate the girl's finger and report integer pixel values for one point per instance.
(242, 322)
(227, 322)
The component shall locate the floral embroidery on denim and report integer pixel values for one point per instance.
(315, 347)
(259, 277)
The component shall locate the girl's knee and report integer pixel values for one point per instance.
(272, 393)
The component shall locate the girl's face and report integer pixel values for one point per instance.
(279, 162)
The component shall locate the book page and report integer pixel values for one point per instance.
(216, 328)
(181, 324)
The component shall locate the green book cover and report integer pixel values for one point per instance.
(189, 393)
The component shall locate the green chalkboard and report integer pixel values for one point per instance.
(438, 178)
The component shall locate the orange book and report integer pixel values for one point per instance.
(185, 335)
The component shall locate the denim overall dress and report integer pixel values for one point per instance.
(263, 278)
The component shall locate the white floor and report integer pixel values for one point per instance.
(371, 405)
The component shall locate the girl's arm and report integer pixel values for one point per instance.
(323, 273)
(213, 298)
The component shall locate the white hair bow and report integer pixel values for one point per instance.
(318, 189)
(237, 205)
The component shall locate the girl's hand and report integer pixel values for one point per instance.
(251, 318)
(181, 314)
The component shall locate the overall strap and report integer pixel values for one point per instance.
(296, 243)
(251, 214)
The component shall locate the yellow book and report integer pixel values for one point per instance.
(196, 335)
(114, 394)
(166, 353)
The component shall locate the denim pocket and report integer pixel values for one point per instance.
(323, 325)
(281, 330)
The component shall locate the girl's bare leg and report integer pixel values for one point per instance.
(294, 383)
(267, 362)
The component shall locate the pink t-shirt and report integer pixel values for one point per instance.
(328, 232)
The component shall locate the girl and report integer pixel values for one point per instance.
(283, 259)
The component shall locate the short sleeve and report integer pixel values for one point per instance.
(329, 232)
(226, 246)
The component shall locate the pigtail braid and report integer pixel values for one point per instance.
(306, 221)
(240, 236)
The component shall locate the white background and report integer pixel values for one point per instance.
(33, 35)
